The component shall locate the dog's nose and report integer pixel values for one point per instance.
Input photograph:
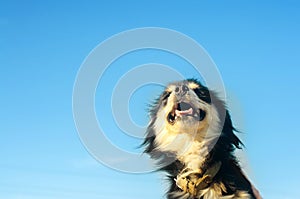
(181, 90)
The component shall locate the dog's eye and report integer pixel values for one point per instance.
(203, 94)
(165, 96)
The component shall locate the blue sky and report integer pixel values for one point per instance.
(255, 45)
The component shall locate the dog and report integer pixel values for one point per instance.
(191, 136)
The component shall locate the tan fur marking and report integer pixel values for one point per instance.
(193, 85)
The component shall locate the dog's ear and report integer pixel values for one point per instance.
(149, 143)
(228, 132)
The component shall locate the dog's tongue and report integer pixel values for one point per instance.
(185, 112)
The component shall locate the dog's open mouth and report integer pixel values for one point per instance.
(184, 109)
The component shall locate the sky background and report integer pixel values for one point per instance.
(255, 45)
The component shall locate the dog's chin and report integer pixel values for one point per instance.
(186, 120)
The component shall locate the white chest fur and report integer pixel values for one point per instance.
(187, 149)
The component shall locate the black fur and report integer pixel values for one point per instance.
(230, 173)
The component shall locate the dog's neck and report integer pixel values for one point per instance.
(191, 152)
(194, 156)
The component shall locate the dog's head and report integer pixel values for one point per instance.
(185, 109)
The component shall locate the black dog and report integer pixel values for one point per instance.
(191, 135)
